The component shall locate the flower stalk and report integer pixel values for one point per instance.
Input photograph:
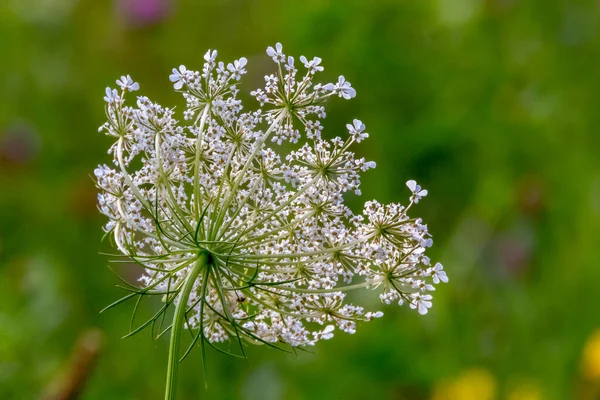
(201, 264)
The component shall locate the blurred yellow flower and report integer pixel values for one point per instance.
(525, 391)
(590, 363)
(471, 384)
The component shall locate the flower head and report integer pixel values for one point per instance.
(255, 245)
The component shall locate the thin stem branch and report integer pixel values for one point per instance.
(242, 173)
(199, 141)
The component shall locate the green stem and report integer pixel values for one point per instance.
(197, 160)
(178, 321)
(234, 190)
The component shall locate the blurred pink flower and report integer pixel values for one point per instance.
(19, 144)
(144, 12)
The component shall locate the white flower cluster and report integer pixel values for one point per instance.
(257, 245)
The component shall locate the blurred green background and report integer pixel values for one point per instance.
(491, 105)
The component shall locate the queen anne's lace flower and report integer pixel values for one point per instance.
(252, 244)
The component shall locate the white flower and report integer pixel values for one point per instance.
(371, 315)
(178, 77)
(111, 95)
(253, 241)
(237, 68)
(327, 333)
(344, 89)
(369, 165)
(277, 53)
(418, 193)
(438, 274)
(313, 66)
(126, 83)
(210, 56)
(421, 302)
(289, 66)
(313, 129)
(356, 130)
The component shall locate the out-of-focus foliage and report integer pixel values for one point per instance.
(491, 105)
